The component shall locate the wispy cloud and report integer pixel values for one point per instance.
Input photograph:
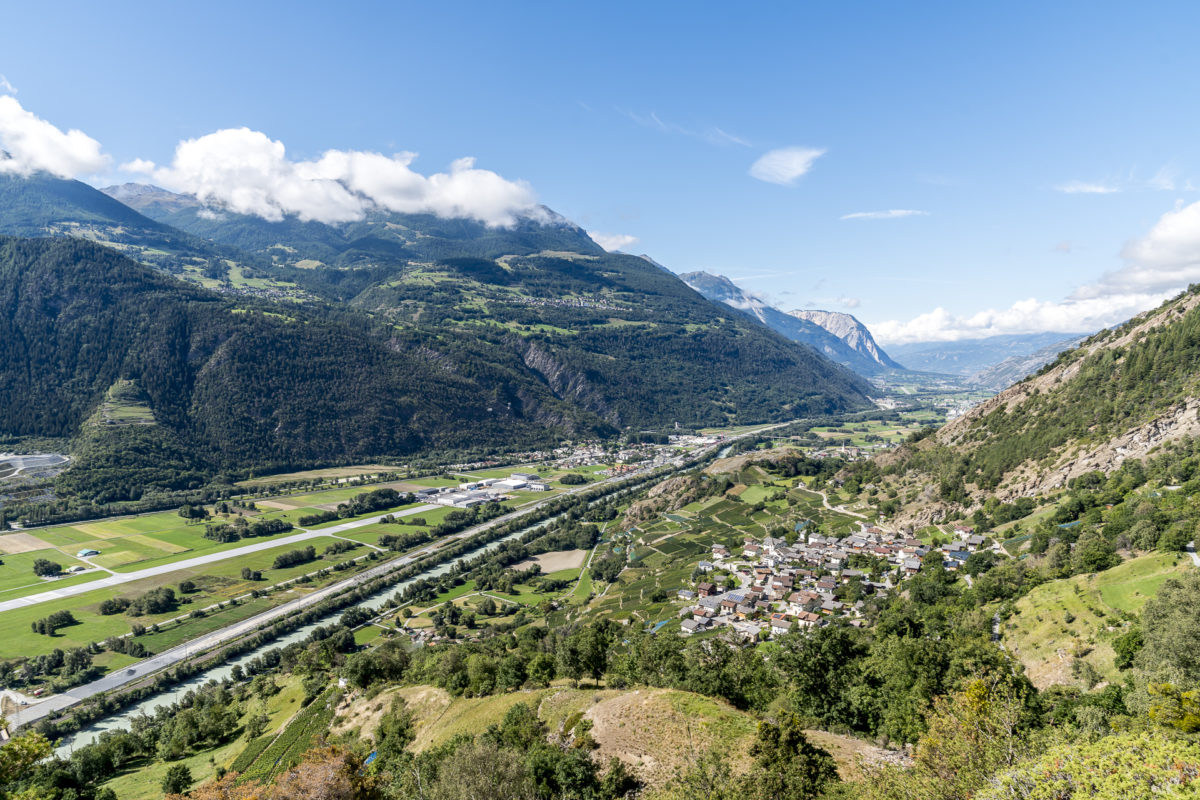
(786, 165)
(1087, 187)
(7, 87)
(895, 213)
(1165, 179)
(613, 241)
(713, 135)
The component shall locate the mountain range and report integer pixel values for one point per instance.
(297, 342)
(969, 357)
(1012, 369)
(839, 337)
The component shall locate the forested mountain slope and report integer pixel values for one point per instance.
(43, 205)
(537, 314)
(1117, 396)
(624, 339)
(237, 384)
(234, 383)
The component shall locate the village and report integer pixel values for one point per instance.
(771, 588)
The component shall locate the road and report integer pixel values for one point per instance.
(169, 658)
(118, 578)
(838, 509)
(1191, 551)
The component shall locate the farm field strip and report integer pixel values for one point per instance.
(192, 563)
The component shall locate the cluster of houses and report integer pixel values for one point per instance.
(568, 302)
(784, 587)
(476, 493)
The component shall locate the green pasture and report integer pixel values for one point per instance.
(217, 582)
(17, 578)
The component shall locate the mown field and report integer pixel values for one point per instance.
(215, 583)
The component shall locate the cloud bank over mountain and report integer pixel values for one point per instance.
(247, 172)
(30, 143)
(1158, 265)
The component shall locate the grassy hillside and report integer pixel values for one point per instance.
(654, 731)
(1077, 618)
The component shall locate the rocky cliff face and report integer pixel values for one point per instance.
(849, 330)
(720, 289)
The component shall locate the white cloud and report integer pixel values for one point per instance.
(849, 302)
(786, 165)
(895, 213)
(1085, 187)
(613, 241)
(1157, 267)
(1024, 316)
(7, 87)
(247, 172)
(1168, 255)
(33, 144)
(139, 165)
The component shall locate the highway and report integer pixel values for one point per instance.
(169, 658)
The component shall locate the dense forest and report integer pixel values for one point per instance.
(230, 385)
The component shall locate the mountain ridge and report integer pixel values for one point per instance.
(721, 289)
(528, 346)
(966, 357)
(850, 330)
(1014, 368)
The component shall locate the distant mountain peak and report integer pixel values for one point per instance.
(857, 350)
(141, 196)
(848, 328)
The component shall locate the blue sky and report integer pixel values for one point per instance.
(1051, 152)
